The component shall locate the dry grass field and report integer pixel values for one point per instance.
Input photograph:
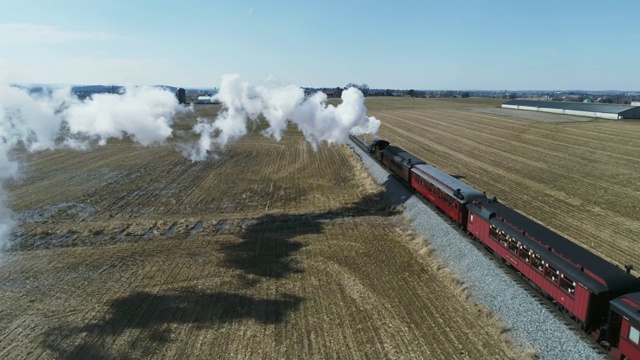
(577, 176)
(271, 251)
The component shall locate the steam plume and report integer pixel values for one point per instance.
(317, 120)
(143, 113)
(58, 119)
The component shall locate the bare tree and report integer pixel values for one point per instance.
(364, 88)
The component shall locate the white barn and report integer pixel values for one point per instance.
(605, 111)
(202, 99)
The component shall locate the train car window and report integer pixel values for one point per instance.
(567, 284)
(634, 335)
(524, 254)
(537, 263)
(503, 239)
(493, 232)
(513, 245)
(551, 273)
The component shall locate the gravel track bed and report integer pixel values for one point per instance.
(530, 323)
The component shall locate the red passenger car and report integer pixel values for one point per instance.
(445, 191)
(623, 333)
(580, 282)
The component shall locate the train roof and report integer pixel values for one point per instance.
(628, 305)
(457, 188)
(405, 156)
(393, 149)
(561, 252)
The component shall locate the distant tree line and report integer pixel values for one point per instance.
(610, 97)
(366, 91)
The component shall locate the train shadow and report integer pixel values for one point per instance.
(269, 244)
(153, 314)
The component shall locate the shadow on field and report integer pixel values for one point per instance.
(141, 325)
(268, 245)
(153, 314)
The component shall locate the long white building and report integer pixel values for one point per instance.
(606, 111)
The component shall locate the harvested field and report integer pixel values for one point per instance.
(270, 251)
(578, 178)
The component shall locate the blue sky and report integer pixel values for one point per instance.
(454, 44)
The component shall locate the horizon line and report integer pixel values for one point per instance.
(331, 87)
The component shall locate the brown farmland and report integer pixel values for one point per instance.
(576, 175)
(270, 251)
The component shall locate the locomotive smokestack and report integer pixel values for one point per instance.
(628, 268)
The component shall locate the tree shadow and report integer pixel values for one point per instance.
(267, 247)
(267, 250)
(191, 306)
(268, 244)
(153, 314)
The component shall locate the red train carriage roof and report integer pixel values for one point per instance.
(558, 250)
(628, 305)
(458, 189)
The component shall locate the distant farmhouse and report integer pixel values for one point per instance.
(605, 111)
(206, 99)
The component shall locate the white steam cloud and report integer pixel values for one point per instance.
(59, 119)
(317, 120)
(144, 113)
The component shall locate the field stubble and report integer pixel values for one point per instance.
(269, 251)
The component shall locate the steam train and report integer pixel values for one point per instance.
(603, 299)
